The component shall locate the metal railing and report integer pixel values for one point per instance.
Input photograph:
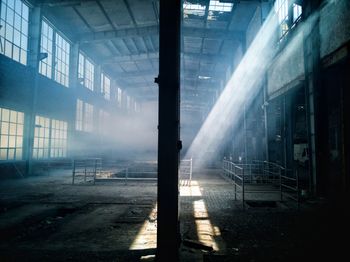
(86, 168)
(185, 171)
(261, 177)
(290, 185)
(98, 170)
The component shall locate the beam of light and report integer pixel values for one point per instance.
(206, 232)
(190, 190)
(240, 90)
(147, 236)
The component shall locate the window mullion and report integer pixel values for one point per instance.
(54, 63)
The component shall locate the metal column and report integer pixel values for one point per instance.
(168, 237)
(34, 57)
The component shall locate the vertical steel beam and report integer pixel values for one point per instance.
(168, 236)
(33, 63)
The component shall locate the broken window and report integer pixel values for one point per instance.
(14, 30)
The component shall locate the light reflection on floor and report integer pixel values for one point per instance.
(206, 232)
(189, 188)
(147, 236)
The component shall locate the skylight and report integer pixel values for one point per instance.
(215, 5)
(193, 9)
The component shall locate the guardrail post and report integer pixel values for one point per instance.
(243, 187)
(190, 171)
(95, 170)
(297, 187)
(234, 179)
(250, 173)
(85, 170)
(280, 173)
(126, 175)
(73, 174)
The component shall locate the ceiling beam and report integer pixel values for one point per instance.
(209, 58)
(55, 3)
(154, 30)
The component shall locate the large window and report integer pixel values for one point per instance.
(88, 117)
(86, 71)
(46, 45)
(14, 30)
(119, 97)
(58, 138)
(103, 121)
(50, 138)
(41, 137)
(11, 134)
(128, 102)
(79, 115)
(281, 8)
(62, 60)
(56, 64)
(288, 13)
(84, 116)
(105, 86)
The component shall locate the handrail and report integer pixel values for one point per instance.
(258, 173)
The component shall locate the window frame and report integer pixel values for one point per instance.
(56, 60)
(45, 138)
(87, 62)
(12, 131)
(10, 30)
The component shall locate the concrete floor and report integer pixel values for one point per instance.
(45, 218)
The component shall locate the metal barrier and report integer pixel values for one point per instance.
(89, 167)
(261, 177)
(141, 170)
(185, 172)
(290, 185)
(111, 170)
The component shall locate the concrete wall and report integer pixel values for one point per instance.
(253, 27)
(287, 69)
(334, 25)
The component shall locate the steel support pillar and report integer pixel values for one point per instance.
(33, 63)
(168, 236)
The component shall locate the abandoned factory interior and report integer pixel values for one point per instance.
(182, 130)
